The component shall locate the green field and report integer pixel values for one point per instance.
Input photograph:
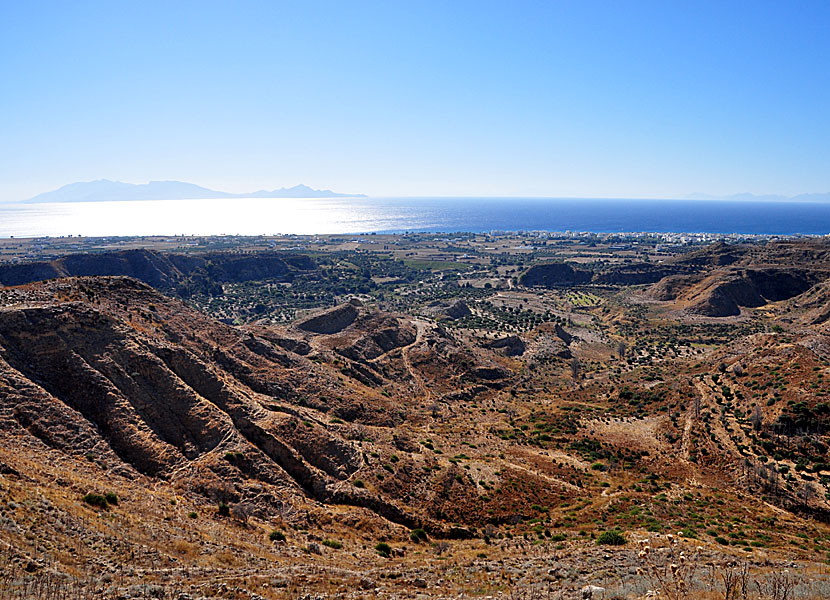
(583, 299)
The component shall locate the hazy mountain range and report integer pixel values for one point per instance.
(104, 190)
(825, 197)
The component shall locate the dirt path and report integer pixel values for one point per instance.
(692, 414)
(420, 327)
(564, 484)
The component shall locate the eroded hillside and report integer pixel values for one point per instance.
(473, 430)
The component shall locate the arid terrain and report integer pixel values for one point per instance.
(416, 417)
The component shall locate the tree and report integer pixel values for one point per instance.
(757, 418)
(242, 512)
(621, 348)
(575, 369)
(806, 492)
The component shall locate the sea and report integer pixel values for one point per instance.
(272, 216)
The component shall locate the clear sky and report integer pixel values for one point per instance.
(549, 98)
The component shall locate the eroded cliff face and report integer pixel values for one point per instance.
(723, 292)
(158, 390)
(554, 274)
(163, 271)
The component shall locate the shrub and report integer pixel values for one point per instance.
(192, 515)
(333, 544)
(276, 536)
(224, 509)
(418, 535)
(111, 498)
(384, 549)
(234, 456)
(358, 483)
(612, 538)
(96, 500)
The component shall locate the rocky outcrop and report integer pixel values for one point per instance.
(723, 293)
(717, 302)
(491, 372)
(385, 334)
(163, 271)
(459, 310)
(330, 321)
(554, 275)
(148, 266)
(671, 287)
(107, 367)
(512, 345)
(295, 345)
(563, 335)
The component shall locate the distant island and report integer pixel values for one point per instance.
(103, 190)
(818, 197)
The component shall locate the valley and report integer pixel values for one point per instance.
(414, 416)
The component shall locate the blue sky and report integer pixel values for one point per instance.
(628, 99)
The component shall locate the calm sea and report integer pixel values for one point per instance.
(257, 216)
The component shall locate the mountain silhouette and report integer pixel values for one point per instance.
(104, 190)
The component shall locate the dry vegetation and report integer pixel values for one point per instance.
(614, 437)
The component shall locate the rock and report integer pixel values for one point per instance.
(723, 292)
(563, 335)
(419, 583)
(459, 310)
(669, 288)
(491, 373)
(367, 584)
(330, 321)
(163, 271)
(553, 275)
(314, 548)
(33, 565)
(292, 345)
(589, 591)
(385, 333)
(7, 470)
(511, 345)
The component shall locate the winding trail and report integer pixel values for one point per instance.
(420, 327)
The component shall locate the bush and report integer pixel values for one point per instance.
(612, 538)
(111, 498)
(96, 500)
(358, 483)
(192, 515)
(224, 509)
(333, 544)
(276, 536)
(418, 535)
(384, 549)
